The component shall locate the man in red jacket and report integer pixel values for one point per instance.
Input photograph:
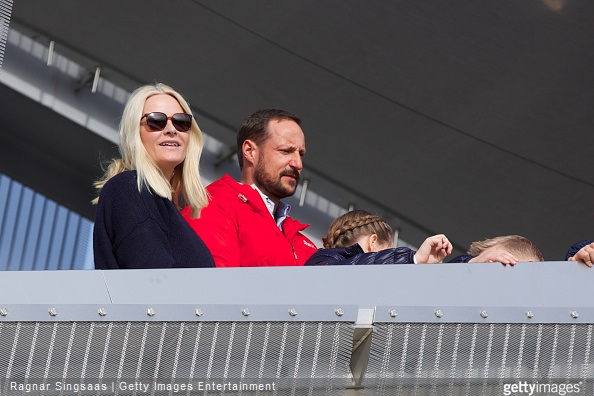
(246, 224)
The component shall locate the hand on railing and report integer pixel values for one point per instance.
(495, 256)
(584, 255)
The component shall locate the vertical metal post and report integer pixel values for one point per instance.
(50, 53)
(96, 80)
(303, 192)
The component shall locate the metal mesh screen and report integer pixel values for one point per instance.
(5, 11)
(298, 357)
(468, 359)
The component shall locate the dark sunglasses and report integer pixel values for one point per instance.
(157, 121)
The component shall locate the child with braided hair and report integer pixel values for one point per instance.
(359, 238)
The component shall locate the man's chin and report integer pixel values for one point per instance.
(289, 190)
(290, 193)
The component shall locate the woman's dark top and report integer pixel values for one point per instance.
(135, 230)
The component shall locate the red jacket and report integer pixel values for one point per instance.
(239, 231)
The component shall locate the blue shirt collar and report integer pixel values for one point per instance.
(282, 211)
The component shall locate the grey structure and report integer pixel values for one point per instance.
(393, 329)
(481, 110)
(38, 234)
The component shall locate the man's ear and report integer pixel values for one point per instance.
(250, 151)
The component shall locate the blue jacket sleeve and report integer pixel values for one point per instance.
(576, 247)
(354, 255)
(461, 259)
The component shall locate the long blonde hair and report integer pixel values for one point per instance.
(346, 229)
(186, 186)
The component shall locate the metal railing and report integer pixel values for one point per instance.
(390, 329)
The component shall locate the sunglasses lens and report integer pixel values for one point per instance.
(182, 122)
(156, 121)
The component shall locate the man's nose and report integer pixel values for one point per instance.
(296, 162)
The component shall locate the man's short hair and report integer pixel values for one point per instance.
(255, 127)
(517, 245)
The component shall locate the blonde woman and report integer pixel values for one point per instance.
(138, 224)
(359, 238)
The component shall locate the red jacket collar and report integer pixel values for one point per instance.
(245, 193)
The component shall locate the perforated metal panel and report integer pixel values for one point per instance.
(207, 326)
(450, 358)
(289, 358)
(5, 11)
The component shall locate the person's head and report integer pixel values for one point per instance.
(519, 246)
(149, 141)
(359, 226)
(270, 147)
(160, 139)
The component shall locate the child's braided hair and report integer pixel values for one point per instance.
(346, 229)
